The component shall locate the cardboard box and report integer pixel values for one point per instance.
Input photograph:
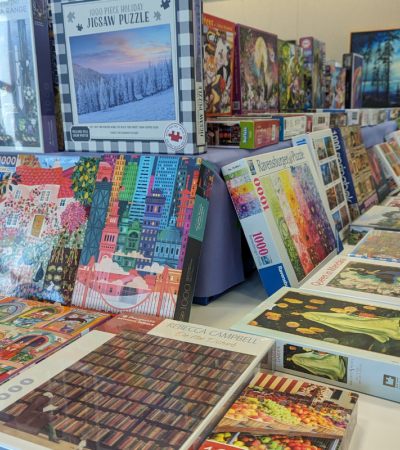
(353, 116)
(353, 64)
(256, 84)
(353, 343)
(314, 72)
(291, 125)
(242, 133)
(317, 121)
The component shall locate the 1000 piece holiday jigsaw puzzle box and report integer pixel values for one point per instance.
(353, 343)
(27, 121)
(284, 214)
(157, 385)
(131, 75)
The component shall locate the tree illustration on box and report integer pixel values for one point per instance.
(84, 180)
(108, 93)
(379, 49)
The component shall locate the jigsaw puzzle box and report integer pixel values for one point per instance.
(352, 344)
(284, 214)
(27, 121)
(119, 95)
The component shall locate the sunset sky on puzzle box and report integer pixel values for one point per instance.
(122, 51)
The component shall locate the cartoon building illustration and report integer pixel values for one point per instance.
(138, 233)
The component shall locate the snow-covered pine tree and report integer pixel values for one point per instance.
(165, 75)
(124, 90)
(79, 99)
(129, 82)
(151, 85)
(116, 91)
(144, 82)
(137, 86)
(95, 101)
(159, 76)
(112, 93)
(170, 73)
(82, 100)
(102, 94)
(89, 100)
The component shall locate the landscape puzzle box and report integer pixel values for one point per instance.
(131, 76)
(353, 343)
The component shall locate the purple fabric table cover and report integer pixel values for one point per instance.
(221, 265)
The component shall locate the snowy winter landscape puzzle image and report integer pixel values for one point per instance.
(124, 74)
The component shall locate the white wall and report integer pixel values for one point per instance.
(331, 21)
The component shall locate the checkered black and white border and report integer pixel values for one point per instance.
(186, 80)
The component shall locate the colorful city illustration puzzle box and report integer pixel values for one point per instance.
(27, 121)
(379, 245)
(162, 387)
(131, 76)
(355, 344)
(284, 214)
(256, 84)
(144, 235)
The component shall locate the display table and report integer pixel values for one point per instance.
(221, 265)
